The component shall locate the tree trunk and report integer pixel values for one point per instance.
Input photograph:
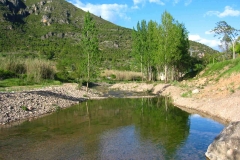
(141, 68)
(234, 55)
(88, 70)
(166, 69)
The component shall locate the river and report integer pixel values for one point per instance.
(113, 128)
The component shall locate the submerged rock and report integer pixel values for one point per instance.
(226, 145)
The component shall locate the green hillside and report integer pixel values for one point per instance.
(198, 48)
(46, 28)
(51, 29)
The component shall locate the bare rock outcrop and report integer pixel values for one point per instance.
(226, 144)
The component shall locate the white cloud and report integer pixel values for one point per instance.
(142, 2)
(208, 32)
(229, 11)
(136, 2)
(187, 2)
(110, 12)
(211, 43)
(157, 2)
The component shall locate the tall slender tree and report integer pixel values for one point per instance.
(152, 42)
(227, 31)
(90, 49)
(140, 43)
(166, 41)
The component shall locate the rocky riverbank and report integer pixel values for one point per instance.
(15, 106)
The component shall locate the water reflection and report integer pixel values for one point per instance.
(111, 129)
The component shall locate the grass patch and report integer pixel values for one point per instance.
(225, 68)
(187, 94)
(19, 85)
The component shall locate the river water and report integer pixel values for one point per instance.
(114, 128)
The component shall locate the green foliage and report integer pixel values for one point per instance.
(237, 48)
(5, 74)
(158, 46)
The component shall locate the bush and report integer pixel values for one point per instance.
(6, 74)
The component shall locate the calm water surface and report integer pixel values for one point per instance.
(112, 129)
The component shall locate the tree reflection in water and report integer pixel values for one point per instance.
(144, 128)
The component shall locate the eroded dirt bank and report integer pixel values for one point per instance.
(219, 100)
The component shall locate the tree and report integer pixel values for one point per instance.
(152, 47)
(223, 29)
(170, 33)
(182, 64)
(225, 45)
(140, 43)
(90, 49)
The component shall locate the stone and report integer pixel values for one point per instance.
(45, 19)
(226, 145)
(195, 91)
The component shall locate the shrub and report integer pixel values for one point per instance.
(6, 74)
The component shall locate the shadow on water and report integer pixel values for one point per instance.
(144, 128)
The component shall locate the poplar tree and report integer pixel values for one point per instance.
(140, 43)
(90, 49)
(171, 39)
(152, 42)
(166, 42)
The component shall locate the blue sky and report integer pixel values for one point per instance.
(199, 16)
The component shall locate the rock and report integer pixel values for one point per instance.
(45, 19)
(195, 91)
(226, 145)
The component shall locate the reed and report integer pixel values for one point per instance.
(30, 70)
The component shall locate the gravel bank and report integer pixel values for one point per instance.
(15, 106)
